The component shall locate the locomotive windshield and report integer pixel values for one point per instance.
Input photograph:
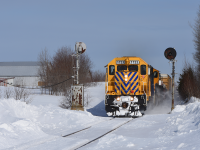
(130, 68)
(121, 68)
(133, 68)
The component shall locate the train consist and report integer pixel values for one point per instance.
(131, 84)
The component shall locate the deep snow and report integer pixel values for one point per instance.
(24, 126)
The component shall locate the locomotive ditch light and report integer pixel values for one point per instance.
(170, 53)
(118, 98)
(131, 98)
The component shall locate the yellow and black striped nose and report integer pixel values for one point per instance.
(126, 83)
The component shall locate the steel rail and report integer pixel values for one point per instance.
(103, 135)
(84, 129)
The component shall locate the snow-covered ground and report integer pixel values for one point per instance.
(41, 124)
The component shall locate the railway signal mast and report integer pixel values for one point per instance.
(77, 90)
(170, 54)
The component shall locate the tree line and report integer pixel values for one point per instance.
(189, 80)
(59, 67)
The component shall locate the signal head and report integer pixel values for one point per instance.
(170, 53)
(80, 47)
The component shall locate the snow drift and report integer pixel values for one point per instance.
(21, 123)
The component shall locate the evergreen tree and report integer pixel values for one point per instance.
(187, 84)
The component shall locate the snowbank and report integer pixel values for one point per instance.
(185, 118)
(21, 123)
(183, 126)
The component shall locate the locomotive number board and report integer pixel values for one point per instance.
(120, 62)
(134, 62)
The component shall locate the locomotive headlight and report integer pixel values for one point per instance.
(126, 77)
(118, 98)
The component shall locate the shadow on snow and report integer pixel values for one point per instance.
(98, 110)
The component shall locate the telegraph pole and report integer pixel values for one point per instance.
(170, 54)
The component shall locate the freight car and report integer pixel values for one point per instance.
(130, 84)
(166, 81)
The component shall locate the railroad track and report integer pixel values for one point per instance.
(43, 140)
(75, 140)
(102, 135)
(83, 129)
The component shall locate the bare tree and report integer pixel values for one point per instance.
(26, 96)
(85, 67)
(66, 103)
(20, 92)
(8, 92)
(44, 60)
(60, 68)
(196, 32)
(98, 76)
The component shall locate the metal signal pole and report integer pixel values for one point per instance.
(173, 75)
(170, 53)
(77, 90)
(77, 68)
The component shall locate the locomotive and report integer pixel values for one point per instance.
(130, 85)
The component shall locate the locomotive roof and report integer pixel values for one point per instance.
(129, 56)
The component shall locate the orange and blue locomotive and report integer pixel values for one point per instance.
(129, 86)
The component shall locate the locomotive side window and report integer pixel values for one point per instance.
(111, 70)
(121, 68)
(143, 69)
(155, 74)
(133, 68)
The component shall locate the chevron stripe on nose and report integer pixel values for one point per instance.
(125, 86)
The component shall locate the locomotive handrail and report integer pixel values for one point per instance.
(143, 86)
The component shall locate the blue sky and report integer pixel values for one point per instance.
(109, 28)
